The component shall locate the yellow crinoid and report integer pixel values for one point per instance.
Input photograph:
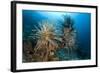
(47, 39)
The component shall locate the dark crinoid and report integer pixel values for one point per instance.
(69, 38)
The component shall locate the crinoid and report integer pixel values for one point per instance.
(47, 40)
(69, 37)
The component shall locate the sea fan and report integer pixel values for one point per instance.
(47, 39)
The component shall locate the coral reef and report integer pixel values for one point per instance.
(50, 44)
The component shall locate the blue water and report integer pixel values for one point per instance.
(82, 25)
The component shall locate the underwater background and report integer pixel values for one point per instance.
(82, 26)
